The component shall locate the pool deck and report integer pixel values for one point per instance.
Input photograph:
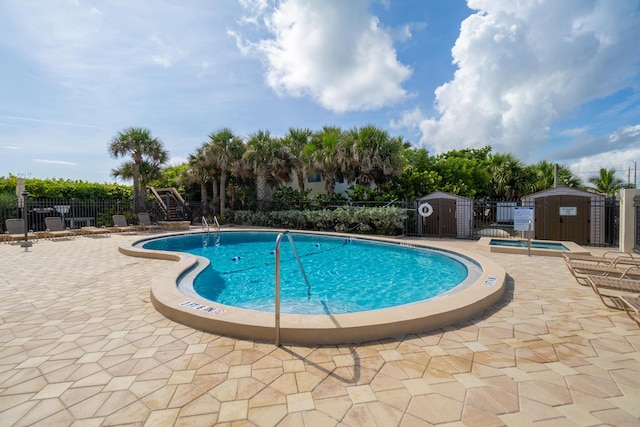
(82, 345)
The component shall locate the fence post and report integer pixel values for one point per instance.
(25, 221)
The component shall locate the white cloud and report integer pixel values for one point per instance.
(522, 66)
(48, 122)
(628, 133)
(101, 51)
(333, 51)
(584, 144)
(587, 167)
(162, 60)
(55, 162)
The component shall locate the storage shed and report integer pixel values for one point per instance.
(445, 215)
(566, 213)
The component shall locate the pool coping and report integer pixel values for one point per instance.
(320, 329)
(485, 244)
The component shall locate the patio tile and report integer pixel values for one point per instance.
(52, 390)
(417, 386)
(163, 418)
(267, 416)
(548, 354)
(361, 394)
(435, 409)
(300, 402)
(335, 407)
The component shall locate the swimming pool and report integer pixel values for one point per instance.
(460, 303)
(345, 275)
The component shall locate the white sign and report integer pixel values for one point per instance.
(523, 218)
(490, 281)
(201, 307)
(568, 210)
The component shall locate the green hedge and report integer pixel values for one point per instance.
(66, 189)
(383, 220)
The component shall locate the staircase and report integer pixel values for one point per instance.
(171, 204)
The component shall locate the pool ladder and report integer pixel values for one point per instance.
(295, 252)
(205, 224)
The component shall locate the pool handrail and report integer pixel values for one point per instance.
(295, 253)
(205, 223)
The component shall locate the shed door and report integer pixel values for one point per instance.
(563, 217)
(442, 222)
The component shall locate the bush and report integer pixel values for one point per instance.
(385, 220)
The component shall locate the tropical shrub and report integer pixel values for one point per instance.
(385, 220)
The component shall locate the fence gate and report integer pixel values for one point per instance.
(563, 217)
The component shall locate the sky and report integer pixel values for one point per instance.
(540, 79)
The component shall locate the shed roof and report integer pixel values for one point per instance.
(562, 191)
(442, 195)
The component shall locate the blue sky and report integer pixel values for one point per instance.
(543, 80)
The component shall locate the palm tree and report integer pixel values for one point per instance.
(141, 146)
(225, 148)
(509, 177)
(149, 172)
(295, 142)
(198, 172)
(376, 156)
(544, 172)
(606, 182)
(267, 159)
(326, 154)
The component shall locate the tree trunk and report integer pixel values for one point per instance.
(223, 191)
(214, 200)
(330, 184)
(204, 196)
(300, 174)
(261, 186)
(136, 187)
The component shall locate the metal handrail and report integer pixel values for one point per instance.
(295, 252)
(205, 224)
(215, 219)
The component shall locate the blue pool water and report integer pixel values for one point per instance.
(536, 244)
(346, 275)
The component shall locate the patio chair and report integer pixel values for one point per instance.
(95, 231)
(608, 258)
(145, 222)
(632, 306)
(601, 286)
(55, 228)
(120, 225)
(580, 271)
(15, 231)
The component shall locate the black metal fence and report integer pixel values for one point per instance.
(74, 213)
(467, 219)
(78, 213)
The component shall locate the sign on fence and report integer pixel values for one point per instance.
(523, 218)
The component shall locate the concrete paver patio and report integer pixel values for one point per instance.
(81, 345)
